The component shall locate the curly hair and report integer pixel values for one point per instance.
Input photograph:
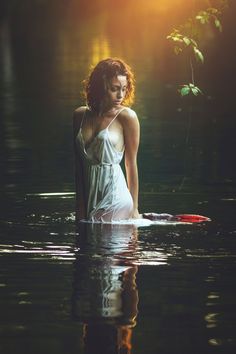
(97, 81)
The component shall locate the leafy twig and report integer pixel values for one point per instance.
(185, 39)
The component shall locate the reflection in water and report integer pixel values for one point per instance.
(105, 293)
(7, 73)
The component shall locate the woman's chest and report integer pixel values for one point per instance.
(113, 135)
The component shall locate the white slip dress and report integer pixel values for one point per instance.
(107, 196)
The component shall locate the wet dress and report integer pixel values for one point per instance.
(107, 197)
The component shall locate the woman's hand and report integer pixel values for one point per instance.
(135, 214)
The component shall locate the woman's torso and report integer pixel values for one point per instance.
(106, 194)
(101, 141)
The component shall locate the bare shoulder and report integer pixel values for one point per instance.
(128, 116)
(78, 116)
(78, 113)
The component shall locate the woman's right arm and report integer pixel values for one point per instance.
(78, 167)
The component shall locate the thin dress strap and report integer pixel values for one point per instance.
(115, 116)
(82, 121)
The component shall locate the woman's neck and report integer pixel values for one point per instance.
(109, 111)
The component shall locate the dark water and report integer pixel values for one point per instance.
(94, 289)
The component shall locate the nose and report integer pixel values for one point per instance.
(120, 94)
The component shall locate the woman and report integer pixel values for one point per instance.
(104, 131)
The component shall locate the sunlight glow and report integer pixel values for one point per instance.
(161, 5)
(100, 50)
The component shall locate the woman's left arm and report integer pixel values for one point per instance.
(131, 138)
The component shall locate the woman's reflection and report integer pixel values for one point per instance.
(105, 294)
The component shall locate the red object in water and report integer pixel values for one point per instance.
(191, 218)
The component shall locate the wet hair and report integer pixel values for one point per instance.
(97, 82)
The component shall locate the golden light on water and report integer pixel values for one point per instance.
(40, 249)
(99, 50)
(60, 195)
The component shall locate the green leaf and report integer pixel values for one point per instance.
(190, 88)
(199, 91)
(203, 20)
(177, 50)
(198, 17)
(203, 17)
(218, 24)
(185, 90)
(193, 42)
(198, 54)
(177, 39)
(195, 91)
(213, 10)
(187, 41)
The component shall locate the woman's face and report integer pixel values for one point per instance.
(116, 91)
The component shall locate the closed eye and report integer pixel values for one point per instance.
(117, 88)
